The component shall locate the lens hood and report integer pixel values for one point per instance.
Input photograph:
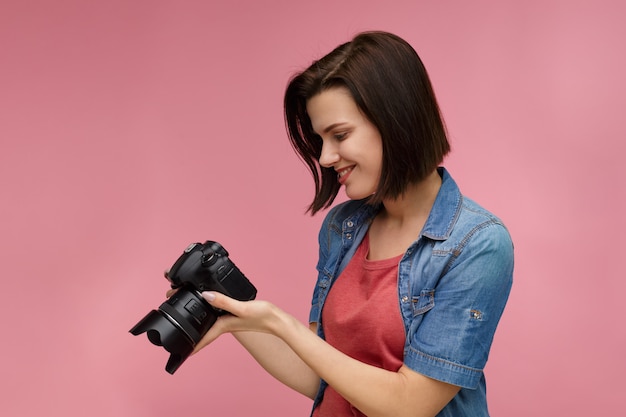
(178, 325)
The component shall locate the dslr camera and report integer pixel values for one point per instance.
(183, 319)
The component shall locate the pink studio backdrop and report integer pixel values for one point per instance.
(129, 129)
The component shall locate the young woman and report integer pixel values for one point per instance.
(412, 276)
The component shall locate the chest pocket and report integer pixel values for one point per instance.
(424, 302)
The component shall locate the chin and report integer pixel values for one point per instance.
(358, 194)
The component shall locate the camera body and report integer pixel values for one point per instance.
(183, 319)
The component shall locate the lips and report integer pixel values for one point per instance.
(344, 173)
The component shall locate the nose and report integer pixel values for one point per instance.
(329, 155)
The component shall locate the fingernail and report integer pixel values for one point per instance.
(209, 296)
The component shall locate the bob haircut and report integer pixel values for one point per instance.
(391, 87)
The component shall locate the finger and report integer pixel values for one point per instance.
(223, 302)
(171, 292)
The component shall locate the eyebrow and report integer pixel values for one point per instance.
(334, 125)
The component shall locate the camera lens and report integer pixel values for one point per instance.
(178, 325)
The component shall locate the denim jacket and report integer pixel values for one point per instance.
(453, 284)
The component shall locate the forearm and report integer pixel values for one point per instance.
(374, 391)
(280, 361)
(297, 356)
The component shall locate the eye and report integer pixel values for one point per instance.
(340, 136)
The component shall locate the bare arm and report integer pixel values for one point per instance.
(271, 352)
(280, 361)
(374, 391)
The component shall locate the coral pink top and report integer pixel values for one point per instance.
(362, 319)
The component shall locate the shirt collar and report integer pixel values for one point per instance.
(442, 217)
(445, 210)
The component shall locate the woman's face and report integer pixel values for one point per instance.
(352, 145)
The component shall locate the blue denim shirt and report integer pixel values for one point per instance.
(453, 284)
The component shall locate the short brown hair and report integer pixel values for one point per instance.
(390, 85)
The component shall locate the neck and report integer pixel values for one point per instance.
(415, 202)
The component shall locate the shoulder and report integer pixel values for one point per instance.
(475, 221)
(480, 249)
(464, 232)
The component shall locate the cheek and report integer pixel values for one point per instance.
(377, 159)
(375, 147)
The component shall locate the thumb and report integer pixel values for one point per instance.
(220, 301)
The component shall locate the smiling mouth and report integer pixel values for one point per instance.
(343, 172)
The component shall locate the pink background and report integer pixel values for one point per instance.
(129, 129)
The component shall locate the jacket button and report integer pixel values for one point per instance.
(350, 224)
(405, 299)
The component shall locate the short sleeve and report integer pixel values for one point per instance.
(454, 323)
